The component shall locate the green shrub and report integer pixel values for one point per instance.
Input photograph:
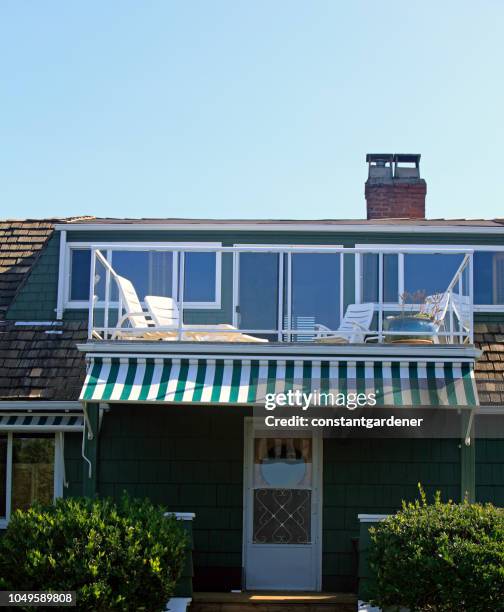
(440, 556)
(117, 556)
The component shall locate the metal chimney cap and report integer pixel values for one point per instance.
(408, 158)
(374, 157)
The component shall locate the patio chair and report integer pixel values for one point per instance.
(462, 310)
(165, 314)
(354, 328)
(140, 324)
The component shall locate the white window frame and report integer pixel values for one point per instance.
(400, 269)
(58, 470)
(281, 272)
(64, 285)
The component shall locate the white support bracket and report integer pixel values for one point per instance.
(467, 439)
(90, 434)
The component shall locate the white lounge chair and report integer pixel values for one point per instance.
(140, 324)
(161, 322)
(165, 314)
(354, 328)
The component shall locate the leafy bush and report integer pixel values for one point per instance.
(117, 556)
(440, 556)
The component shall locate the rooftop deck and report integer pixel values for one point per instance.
(294, 295)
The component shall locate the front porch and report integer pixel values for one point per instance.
(275, 601)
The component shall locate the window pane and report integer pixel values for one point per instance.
(429, 274)
(315, 290)
(3, 475)
(80, 265)
(79, 274)
(258, 291)
(133, 265)
(199, 282)
(282, 462)
(488, 277)
(498, 278)
(32, 470)
(370, 278)
(161, 274)
(150, 272)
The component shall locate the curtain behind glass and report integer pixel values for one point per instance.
(369, 278)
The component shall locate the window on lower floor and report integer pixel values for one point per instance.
(32, 471)
(3, 476)
(27, 471)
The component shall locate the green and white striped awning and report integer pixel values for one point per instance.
(247, 381)
(37, 421)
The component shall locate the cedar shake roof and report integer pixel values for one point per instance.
(489, 369)
(41, 362)
(21, 242)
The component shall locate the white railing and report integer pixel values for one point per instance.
(115, 315)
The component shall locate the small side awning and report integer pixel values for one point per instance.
(41, 422)
(247, 381)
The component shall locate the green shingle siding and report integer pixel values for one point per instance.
(186, 458)
(490, 471)
(36, 299)
(373, 477)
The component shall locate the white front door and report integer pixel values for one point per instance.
(282, 512)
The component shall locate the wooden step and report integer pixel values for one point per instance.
(274, 601)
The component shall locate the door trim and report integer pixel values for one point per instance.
(317, 490)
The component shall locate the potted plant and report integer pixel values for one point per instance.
(418, 319)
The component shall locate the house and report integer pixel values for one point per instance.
(133, 353)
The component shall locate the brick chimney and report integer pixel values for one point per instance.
(394, 189)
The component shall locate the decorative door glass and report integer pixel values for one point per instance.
(282, 491)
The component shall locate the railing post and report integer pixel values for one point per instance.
(450, 303)
(280, 296)
(181, 294)
(471, 299)
(107, 302)
(92, 272)
(380, 297)
(289, 296)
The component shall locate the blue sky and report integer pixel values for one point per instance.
(246, 108)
